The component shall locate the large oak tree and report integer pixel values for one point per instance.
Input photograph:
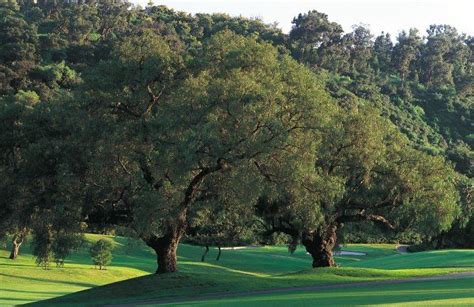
(177, 127)
(360, 169)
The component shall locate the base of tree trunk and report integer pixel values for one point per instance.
(14, 252)
(320, 246)
(324, 259)
(15, 247)
(165, 248)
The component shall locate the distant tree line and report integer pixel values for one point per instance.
(223, 130)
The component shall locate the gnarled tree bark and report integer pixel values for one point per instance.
(320, 244)
(165, 248)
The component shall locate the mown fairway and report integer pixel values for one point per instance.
(451, 292)
(240, 270)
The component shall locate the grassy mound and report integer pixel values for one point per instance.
(128, 279)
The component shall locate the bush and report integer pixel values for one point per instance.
(101, 253)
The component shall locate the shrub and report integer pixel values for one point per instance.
(101, 253)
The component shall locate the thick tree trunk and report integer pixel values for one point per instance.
(166, 254)
(203, 258)
(16, 243)
(165, 248)
(320, 245)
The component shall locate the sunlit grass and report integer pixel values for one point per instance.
(130, 279)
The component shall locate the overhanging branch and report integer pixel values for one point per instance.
(361, 216)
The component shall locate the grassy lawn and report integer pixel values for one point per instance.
(446, 292)
(22, 281)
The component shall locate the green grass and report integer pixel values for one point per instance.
(129, 278)
(446, 292)
(21, 281)
(431, 259)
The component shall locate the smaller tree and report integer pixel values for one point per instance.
(63, 245)
(101, 253)
(17, 241)
(42, 241)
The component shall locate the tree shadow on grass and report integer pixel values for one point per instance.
(17, 265)
(12, 299)
(122, 290)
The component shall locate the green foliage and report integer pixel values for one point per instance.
(315, 41)
(101, 253)
(221, 224)
(18, 48)
(42, 242)
(56, 75)
(383, 48)
(63, 245)
(365, 171)
(462, 230)
(27, 98)
(417, 84)
(235, 105)
(105, 107)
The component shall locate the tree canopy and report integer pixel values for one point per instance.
(172, 126)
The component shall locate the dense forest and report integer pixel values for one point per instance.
(165, 126)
